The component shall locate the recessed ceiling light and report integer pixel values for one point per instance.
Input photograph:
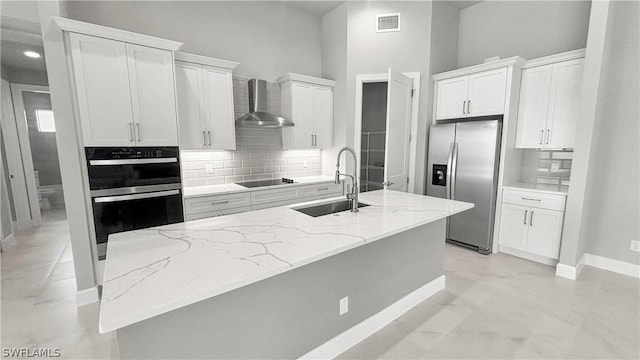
(32, 54)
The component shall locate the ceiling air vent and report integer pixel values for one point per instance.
(388, 22)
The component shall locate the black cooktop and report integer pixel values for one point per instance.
(270, 182)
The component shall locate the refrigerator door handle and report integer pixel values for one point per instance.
(454, 168)
(449, 167)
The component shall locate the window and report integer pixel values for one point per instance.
(45, 121)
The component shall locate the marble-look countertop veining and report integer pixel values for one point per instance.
(204, 190)
(541, 188)
(152, 271)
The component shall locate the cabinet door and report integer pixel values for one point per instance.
(533, 107)
(545, 230)
(563, 112)
(323, 115)
(487, 93)
(451, 97)
(153, 95)
(513, 226)
(102, 85)
(189, 91)
(302, 115)
(218, 103)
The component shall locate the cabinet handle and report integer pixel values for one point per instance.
(525, 216)
(541, 136)
(220, 202)
(530, 199)
(138, 128)
(131, 131)
(209, 133)
(311, 139)
(323, 189)
(204, 138)
(315, 140)
(531, 219)
(468, 106)
(464, 104)
(548, 135)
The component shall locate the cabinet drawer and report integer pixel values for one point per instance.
(216, 213)
(534, 199)
(216, 202)
(321, 189)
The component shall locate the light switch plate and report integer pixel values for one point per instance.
(635, 245)
(305, 164)
(344, 305)
(555, 166)
(208, 168)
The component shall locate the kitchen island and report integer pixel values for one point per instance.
(268, 283)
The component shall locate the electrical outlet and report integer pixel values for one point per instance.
(344, 305)
(305, 164)
(635, 245)
(555, 166)
(208, 168)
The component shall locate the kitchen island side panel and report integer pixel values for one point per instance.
(287, 315)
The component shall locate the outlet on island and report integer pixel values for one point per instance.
(344, 305)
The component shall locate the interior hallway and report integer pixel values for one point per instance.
(493, 307)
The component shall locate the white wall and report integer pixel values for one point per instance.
(408, 50)
(334, 66)
(612, 206)
(268, 38)
(526, 28)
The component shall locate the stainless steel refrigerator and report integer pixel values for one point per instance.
(463, 163)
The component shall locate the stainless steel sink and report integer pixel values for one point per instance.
(328, 208)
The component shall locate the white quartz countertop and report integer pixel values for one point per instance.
(153, 271)
(196, 191)
(541, 188)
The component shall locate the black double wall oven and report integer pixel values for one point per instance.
(133, 188)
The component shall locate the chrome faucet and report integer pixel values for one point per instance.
(353, 193)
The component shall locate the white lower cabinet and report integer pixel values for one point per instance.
(217, 205)
(531, 223)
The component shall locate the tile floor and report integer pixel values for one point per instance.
(493, 307)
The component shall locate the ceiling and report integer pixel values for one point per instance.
(317, 8)
(19, 32)
(12, 56)
(461, 4)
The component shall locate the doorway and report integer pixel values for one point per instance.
(35, 126)
(385, 130)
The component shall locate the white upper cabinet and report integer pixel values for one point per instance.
(152, 95)
(478, 94)
(205, 103)
(308, 102)
(125, 92)
(102, 85)
(548, 106)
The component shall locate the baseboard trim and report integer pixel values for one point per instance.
(87, 296)
(570, 272)
(374, 323)
(613, 265)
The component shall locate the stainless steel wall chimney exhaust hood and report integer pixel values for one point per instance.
(258, 115)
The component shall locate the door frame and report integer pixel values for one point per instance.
(25, 147)
(361, 79)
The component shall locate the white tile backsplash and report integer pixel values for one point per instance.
(537, 165)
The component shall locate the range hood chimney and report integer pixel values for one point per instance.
(258, 115)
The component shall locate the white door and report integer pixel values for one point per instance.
(302, 114)
(565, 95)
(191, 117)
(396, 153)
(533, 107)
(153, 96)
(102, 83)
(451, 98)
(218, 103)
(323, 114)
(487, 93)
(513, 226)
(545, 230)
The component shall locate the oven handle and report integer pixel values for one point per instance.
(134, 161)
(110, 199)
